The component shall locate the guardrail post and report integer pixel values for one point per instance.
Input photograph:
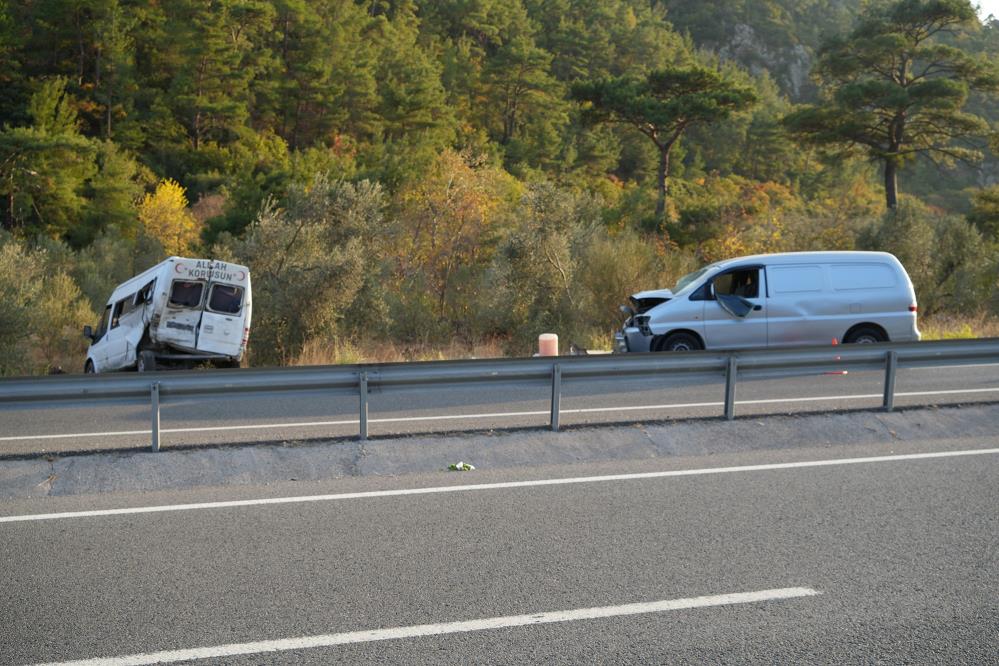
(363, 391)
(556, 394)
(891, 362)
(730, 374)
(154, 399)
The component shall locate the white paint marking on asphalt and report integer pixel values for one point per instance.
(453, 417)
(495, 486)
(417, 631)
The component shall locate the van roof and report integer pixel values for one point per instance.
(136, 282)
(828, 257)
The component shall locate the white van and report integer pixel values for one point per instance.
(179, 312)
(776, 300)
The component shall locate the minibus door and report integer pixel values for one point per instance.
(179, 323)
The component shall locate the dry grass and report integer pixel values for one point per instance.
(340, 352)
(952, 327)
(337, 352)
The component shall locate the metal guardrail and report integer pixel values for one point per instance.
(362, 379)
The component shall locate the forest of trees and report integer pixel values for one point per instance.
(432, 171)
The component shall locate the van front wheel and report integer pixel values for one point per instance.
(865, 335)
(146, 361)
(679, 342)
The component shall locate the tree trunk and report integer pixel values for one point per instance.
(891, 184)
(663, 189)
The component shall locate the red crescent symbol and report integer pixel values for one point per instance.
(242, 275)
(178, 267)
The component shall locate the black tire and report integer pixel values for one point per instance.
(146, 361)
(865, 335)
(680, 342)
(88, 367)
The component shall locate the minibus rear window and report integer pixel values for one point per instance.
(226, 299)
(186, 294)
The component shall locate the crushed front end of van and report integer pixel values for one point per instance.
(634, 335)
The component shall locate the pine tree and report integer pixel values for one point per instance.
(895, 89)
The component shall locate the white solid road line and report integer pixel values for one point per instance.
(453, 417)
(494, 486)
(484, 624)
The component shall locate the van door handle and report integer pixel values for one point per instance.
(757, 307)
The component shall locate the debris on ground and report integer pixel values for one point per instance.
(460, 467)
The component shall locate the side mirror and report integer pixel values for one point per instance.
(88, 332)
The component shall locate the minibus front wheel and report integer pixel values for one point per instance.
(146, 361)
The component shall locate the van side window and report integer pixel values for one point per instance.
(847, 277)
(745, 283)
(186, 294)
(226, 299)
(143, 294)
(702, 293)
(794, 279)
(119, 307)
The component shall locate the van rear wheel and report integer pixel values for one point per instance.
(865, 335)
(89, 367)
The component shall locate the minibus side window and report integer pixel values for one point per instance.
(186, 293)
(145, 294)
(119, 307)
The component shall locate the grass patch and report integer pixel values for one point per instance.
(958, 327)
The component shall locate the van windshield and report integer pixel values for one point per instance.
(689, 280)
(186, 294)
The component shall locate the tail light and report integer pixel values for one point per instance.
(913, 308)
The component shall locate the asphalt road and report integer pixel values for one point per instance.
(304, 416)
(870, 562)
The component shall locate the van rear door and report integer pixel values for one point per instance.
(221, 330)
(179, 324)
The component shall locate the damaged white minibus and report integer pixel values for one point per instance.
(178, 313)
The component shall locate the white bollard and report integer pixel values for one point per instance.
(547, 344)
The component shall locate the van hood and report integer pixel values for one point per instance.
(644, 301)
